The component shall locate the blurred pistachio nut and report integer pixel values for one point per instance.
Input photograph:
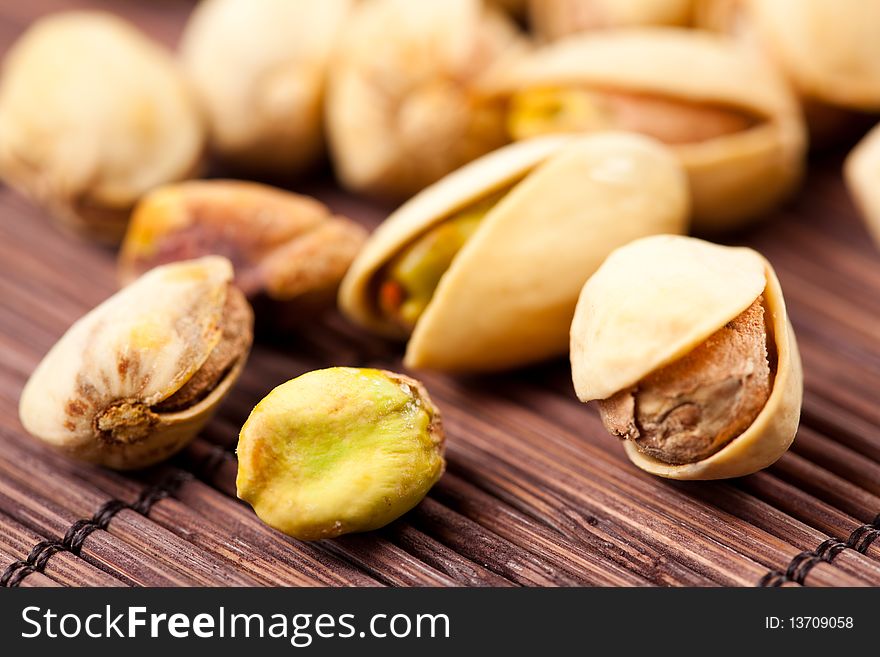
(92, 115)
(731, 120)
(285, 248)
(553, 19)
(259, 69)
(689, 349)
(402, 102)
(340, 450)
(862, 175)
(482, 270)
(136, 378)
(829, 50)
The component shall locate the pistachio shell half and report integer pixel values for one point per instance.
(340, 450)
(259, 70)
(92, 115)
(402, 110)
(553, 19)
(508, 293)
(862, 174)
(136, 378)
(696, 338)
(730, 119)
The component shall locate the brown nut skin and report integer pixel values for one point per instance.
(287, 249)
(92, 115)
(738, 169)
(402, 107)
(259, 70)
(136, 378)
(657, 301)
(554, 19)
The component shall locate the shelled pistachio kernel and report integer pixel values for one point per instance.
(339, 450)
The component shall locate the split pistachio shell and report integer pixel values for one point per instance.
(552, 19)
(92, 115)
(509, 294)
(401, 107)
(339, 450)
(654, 301)
(259, 70)
(734, 177)
(101, 392)
(862, 173)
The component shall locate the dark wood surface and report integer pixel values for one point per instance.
(536, 492)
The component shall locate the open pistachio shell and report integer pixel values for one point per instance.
(509, 294)
(553, 19)
(401, 107)
(259, 70)
(734, 177)
(654, 301)
(862, 174)
(92, 115)
(100, 392)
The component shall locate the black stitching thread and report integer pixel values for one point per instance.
(860, 539)
(77, 533)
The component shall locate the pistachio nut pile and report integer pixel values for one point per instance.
(547, 161)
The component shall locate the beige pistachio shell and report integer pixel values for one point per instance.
(92, 115)
(734, 178)
(552, 19)
(656, 299)
(259, 70)
(401, 107)
(831, 50)
(138, 347)
(509, 295)
(862, 174)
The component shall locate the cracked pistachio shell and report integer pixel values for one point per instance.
(259, 70)
(92, 115)
(140, 346)
(339, 450)
(655, 300)
(553, 19)
(401, 105)
(508, 297)
(734, 178)
(862, 174)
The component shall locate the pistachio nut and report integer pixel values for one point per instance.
(402, 110)
(731, 120)
(862, 175)
(136, 378)
(259, 70)
(92, 115)
(339, 450)
(829, 50)
(689, 349)
(288, 250)
(483, 268)
(553, 19)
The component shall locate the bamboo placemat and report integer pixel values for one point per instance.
(536, 492)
